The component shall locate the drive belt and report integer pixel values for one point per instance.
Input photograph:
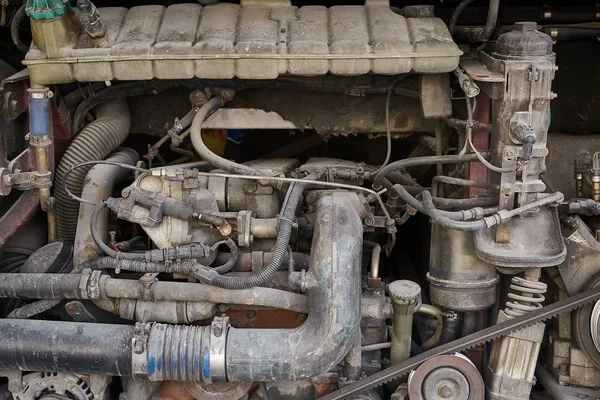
(478, 338)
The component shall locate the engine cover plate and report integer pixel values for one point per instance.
(224, 40)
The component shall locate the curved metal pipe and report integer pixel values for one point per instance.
(99, 184)
(437, 314)
(334, 307)
(375, 255)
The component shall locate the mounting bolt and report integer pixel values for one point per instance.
(251, 314)
(369, 221)
(509, 154)
(507, 190)
(446, 391)
(301, 317)
(218, 330)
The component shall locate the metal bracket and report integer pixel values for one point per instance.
(244, 221)
(148, 281)
(15, 378)
(507, 190)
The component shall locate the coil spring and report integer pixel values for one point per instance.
(527, 296)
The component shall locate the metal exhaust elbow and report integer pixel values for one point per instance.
(334, 307)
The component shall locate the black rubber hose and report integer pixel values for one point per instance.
(14, 29)
(95, 142)
(443, 220)
(409, 199)
(456, 14)
(233, 256)
(492, 20)
(208, 155)
(103, 246)
(444, 203)
(415, 161)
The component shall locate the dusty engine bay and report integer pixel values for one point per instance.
(265, 199)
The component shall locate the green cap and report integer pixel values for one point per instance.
(46, 9)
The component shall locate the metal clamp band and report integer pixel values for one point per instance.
(218, 341)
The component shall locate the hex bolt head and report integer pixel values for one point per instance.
(311, 197)
(446, 391)
(218, 330)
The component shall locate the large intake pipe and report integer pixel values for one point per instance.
(186, 353)
(334, 307)
(98, 185)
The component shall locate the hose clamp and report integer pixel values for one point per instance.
(218, 341)
(139, 350)
(93, 285)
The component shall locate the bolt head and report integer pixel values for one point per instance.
(217, 330)
(445, 391)
(311, 197)
(301, 317)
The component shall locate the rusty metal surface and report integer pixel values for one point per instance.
(23, 209)
(333, 114)
(267, 319)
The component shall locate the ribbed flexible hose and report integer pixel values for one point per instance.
(94, 142)
(33, 309)
(14, 29)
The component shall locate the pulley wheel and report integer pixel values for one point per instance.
(586, 326)
(448, 377)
